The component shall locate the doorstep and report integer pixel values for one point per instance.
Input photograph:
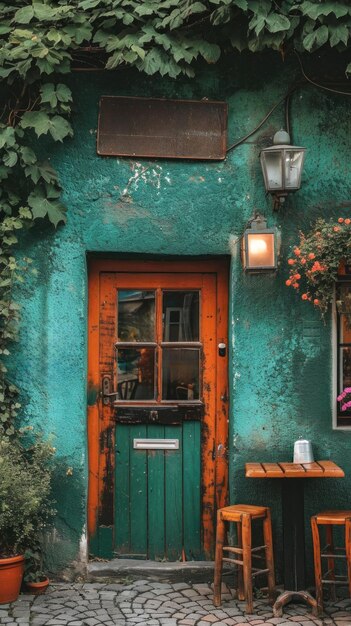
(166, 571)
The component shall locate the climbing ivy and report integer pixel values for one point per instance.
(38, 41)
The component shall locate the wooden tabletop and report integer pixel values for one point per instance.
(318, 469)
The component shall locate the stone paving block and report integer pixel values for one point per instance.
(177, 586)
(152, 604)
(190, 593)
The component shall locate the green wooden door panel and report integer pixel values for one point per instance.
(122, 490)
(158, 506)
(191, 490)
(138, 494)
(173, 495)
(156, 496)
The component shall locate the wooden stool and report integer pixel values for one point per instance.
(242, 515)
(330, 519)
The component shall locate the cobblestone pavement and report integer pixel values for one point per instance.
(153, 604)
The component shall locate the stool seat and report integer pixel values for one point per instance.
(332, 517)
(235, 512)
(243, 554)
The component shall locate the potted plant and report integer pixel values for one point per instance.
(317, 262)
(25, 483)
(35, 579)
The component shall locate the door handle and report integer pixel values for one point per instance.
(106, 394)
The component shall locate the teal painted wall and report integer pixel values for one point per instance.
(280, 356)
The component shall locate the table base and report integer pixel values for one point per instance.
(288, 596)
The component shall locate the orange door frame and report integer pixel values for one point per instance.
(100, 424)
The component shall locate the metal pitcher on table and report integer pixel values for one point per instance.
(303, 452)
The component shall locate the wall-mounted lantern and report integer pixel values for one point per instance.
(282, 167)
(259, 246)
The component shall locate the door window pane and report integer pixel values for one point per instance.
(136, 315)
(180, 374)
(136, 373)
(180, 316)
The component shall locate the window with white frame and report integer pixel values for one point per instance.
(343, 339)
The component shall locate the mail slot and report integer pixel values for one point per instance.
(156, 444)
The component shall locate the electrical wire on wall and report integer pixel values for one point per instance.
(287, 99)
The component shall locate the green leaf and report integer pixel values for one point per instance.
(43, 170)
(24, 15)
(4, 29)
(44, 11)
(42, 206)
(7, 137)
(88, 4)
(221, 15)
(10, 158)
(314, 10)
(277, 22)
(42, 123)
(28, 156)
(339, 34)
(63, 93)
(316, 39)
(48, 94)
(242, 4)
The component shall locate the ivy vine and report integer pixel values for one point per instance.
(39, 39)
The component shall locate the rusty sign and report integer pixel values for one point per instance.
(158, 128)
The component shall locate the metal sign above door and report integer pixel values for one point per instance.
(159, 128)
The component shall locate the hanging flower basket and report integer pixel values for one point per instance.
(316, 262)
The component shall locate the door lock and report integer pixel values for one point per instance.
(222, 349)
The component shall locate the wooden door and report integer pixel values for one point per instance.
(157, 412)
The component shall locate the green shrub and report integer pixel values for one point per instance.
(25, 488)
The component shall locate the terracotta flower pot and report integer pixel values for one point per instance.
(38, 588)
(11, 574)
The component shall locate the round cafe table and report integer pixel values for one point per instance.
(293, 475)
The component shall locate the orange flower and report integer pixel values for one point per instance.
(336, 229)
(297, 276)
(340, 220)
(304, 296)
(316, 302)
(297, 251)
(291, 261)
(347, 221)
(288, 283)
(303, 261)
(317, 267)
(311, 255)
(295, 285)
